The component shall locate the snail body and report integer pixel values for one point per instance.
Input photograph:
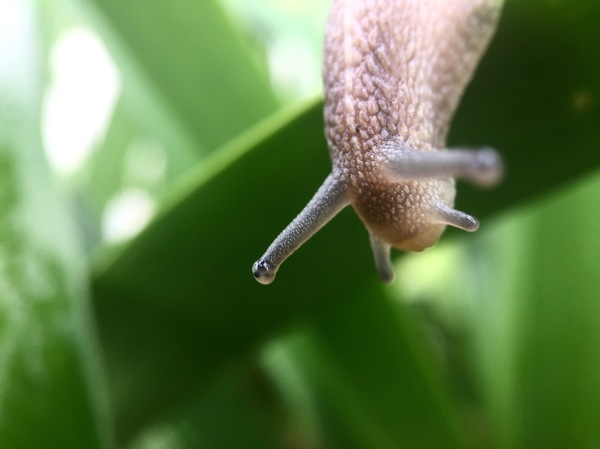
(394, 72)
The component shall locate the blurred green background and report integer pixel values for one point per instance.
(151, 150)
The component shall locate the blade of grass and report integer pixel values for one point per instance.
(536, 334)
(557, 357)
(195, 62)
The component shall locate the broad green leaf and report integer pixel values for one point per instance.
(51, 389)
(180, 301)
(224, 323)
(356, 374)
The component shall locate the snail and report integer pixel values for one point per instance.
(394, 72)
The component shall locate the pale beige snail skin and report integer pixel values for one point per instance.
(394, 72)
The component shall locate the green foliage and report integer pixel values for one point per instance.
(486, 341)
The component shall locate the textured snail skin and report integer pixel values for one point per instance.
(394, 72)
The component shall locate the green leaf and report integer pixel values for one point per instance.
(558, 374)
(193, 60)
(538, 332)
(51, 390)
(378, 375)
(207, 314)
(231, 413)
(180, 301)
(190, 84)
